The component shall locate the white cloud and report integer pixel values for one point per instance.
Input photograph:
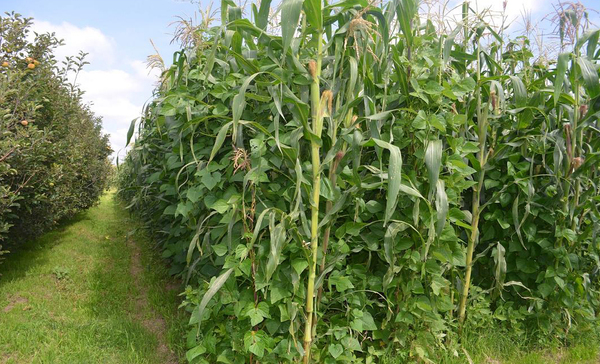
(117, 142)
(118, 96)
(115, 92)
(143, 71)
(513, 10)
(496, 11)
(109, 82)
(114, 108)
(100, 47)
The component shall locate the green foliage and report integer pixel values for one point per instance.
(61, 273)
(53, 156)
(395, 180)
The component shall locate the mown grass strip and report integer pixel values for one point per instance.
(70, 297)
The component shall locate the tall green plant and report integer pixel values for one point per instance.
(326, 191)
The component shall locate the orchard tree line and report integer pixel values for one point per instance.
(53, 154)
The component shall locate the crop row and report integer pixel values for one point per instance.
(352, 185)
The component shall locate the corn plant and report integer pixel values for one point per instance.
(341, 189)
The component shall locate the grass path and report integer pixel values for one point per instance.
(89, 292)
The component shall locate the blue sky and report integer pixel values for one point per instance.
(129, 22)
(117, 34)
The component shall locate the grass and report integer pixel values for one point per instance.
(85, 293)
(499, 347)
(494, 348)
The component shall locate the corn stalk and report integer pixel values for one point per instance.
(482, 125)
(317, 105)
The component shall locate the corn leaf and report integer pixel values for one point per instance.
(219, 140)
(500, 271)
(130, 131)
(213, 288)
(520, 92)
(239, 102)
(290, 16)
(590, 76)
(561, 69)
(262, 16)
(394, 177)
(433, 161)
(442, 206)
(278, 240)
(314, 15)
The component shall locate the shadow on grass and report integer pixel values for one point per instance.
(23, 256)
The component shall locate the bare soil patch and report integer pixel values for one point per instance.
(15, 301)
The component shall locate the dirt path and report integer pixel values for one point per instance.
(155, 323)
(89, 292)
